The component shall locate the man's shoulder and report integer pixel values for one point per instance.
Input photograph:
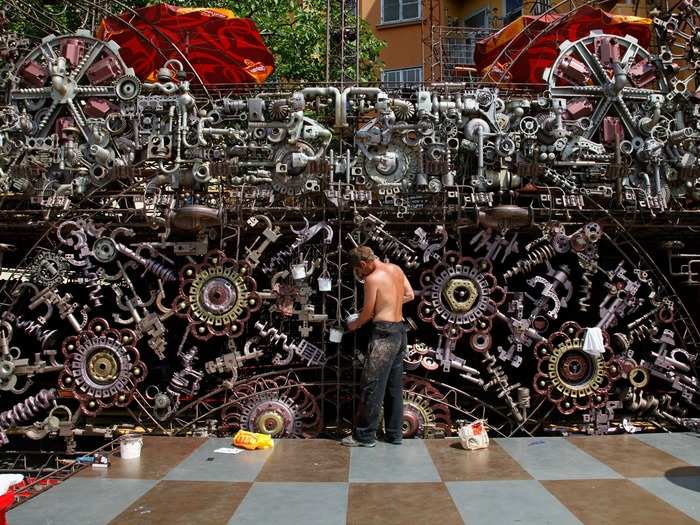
(396, 269)
(379, 275)
(388, 270)
(374, 276)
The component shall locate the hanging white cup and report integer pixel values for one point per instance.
(298, 271)
(325, 284)
(336, 334)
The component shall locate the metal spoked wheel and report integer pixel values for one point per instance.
(67, 80)
(601, 75)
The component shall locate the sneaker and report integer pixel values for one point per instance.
(352, 442)
(393, 441)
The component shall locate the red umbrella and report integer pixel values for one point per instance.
(529, 66)
(222, 48)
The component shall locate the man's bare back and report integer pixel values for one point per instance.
(386, 289)
(390, 283)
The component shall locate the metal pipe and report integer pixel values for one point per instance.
(353, 91)
(324, 92)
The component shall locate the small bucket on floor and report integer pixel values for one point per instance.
(130, 446)
(473, 435)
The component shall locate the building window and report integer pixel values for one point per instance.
(514, 8)
(479, 19)
(542, 6)
(400, 11)
(402, 77)
(460, 51)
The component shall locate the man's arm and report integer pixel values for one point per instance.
(408, 295)
(368, 308)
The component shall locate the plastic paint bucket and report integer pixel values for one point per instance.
(8, 480)
(130, 446)
(324, 284)
(298, 271)
(336, 334)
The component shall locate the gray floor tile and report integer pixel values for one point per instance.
(683, 493)
(81, 501)
(684, 446)
(293, 502)
(509, 501)
(223, 467)
(386, 463)
(555, 458)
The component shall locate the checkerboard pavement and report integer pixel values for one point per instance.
(647, 479)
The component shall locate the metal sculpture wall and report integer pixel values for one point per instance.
(179, 262)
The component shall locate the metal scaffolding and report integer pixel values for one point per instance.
(430, 11)
(342, 41)
(453, 52)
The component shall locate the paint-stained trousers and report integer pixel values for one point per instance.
(382, 381)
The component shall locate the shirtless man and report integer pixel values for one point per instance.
(386, 291)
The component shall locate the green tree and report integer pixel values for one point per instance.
(295, 32)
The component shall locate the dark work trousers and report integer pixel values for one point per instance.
(382, 381)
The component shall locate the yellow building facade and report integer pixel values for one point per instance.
(427, 39)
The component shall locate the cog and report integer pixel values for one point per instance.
(294, 180)
(102, 366)
(128, 87)
(571, 378)
(48, 268)
(404, 111)
(460, 296)
(613, 71)
(216, 296)
(421, 413)
(279, 110)
(69, 76)
(280, 407)
(401, 167)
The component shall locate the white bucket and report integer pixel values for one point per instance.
(336, 334)
(298, 271)
(130, 446)
(325, 284)
(7, 480)
(352, 317)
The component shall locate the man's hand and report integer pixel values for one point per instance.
(352, 326)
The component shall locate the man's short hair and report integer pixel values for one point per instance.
(361, 254)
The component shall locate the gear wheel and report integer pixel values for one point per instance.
(421, 413)
(571, 378)
(403, 163)
(216, 296)
(65, 75)
(102, 366)
(404, 111)
(127, 87)
(48, 268)
(593, 67)
(279, 110)
(293, 181)
(460, 295)
(279, 407)
(449, 128)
